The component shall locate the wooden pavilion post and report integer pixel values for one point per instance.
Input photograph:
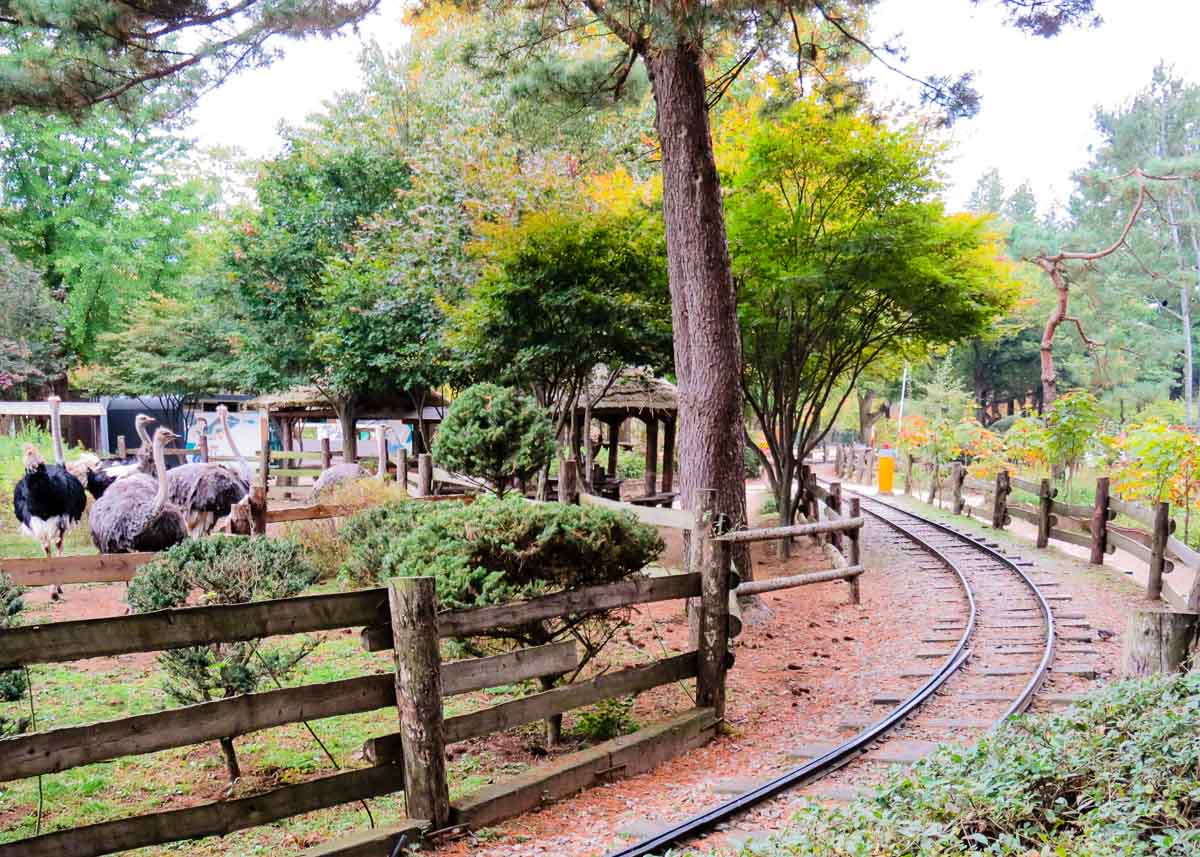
(614, 446)
(285, 437)
(668, 465)
(651, 454)
(264, 439)
(381, 451)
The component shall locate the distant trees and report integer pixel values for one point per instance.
(175, 348)
(93, 206)
(841, 255)
(32, 330)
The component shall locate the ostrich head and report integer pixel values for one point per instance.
(143, 420)
(33, 458)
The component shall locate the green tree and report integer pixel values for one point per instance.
(567, 292)
(495, 434)
(1071, 426)
(32, 334)
(179, 348)
(842, 256)
(93, 207)
(312, 202)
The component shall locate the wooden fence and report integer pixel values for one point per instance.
(412, 759)
(1151, 539)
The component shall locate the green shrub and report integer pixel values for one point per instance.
(494, 434)
(770, 506)
(366, 536)
(630, 464)
(12, 682)
(226, 570)
(499, 550)
(609, 718)
(1119, 774)
(496, 550)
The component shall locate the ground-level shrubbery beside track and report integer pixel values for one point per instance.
(1117, 774)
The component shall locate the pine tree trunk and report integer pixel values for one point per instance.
(703, 302)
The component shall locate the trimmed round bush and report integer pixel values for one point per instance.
(495, 434)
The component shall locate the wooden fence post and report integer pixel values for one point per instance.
(326, 454)
(855, 557)
(202, 447)
(714, 629)
(241, 521)
(835, 503)
(264, 455)
(381, 451)
(1000, 517)
(957, 474)
(1100, 522)
(908, 469)
(810, 488)
(568, 481)
(122, 450)
(419, 698)
(424, 475)
(1046, 494)
(1158, 549)
(837, 461)
(1160, 641)
(402, 467)
(258, 511)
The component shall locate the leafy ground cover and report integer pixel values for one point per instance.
(1117, 774)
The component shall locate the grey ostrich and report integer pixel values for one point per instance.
(339, 474)
(134, 515)
(205, 492)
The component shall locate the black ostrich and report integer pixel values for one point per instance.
(49, 499)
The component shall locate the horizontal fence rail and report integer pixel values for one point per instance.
(68, 747)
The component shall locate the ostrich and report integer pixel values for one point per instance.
(205, 492)
(48, 500)
(96, 475)
(134, 515)
(243, 466)
(332, 477)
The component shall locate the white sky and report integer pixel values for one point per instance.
(1038, 95)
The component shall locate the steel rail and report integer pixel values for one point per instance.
(1023, 701)
(847, 751)
(838, 756)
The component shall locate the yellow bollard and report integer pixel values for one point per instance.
(887, 471)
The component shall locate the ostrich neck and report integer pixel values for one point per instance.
(56, 433)
(237, 453)
(143, 434)
(160, 466)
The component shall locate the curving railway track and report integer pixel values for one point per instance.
(990, 644)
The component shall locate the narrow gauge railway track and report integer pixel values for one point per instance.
(993, 655)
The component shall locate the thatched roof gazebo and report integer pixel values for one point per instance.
(635, 393)
(310, 403)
